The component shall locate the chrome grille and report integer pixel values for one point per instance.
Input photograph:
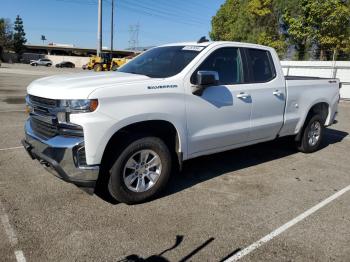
(42, 128)
(43, 102)
(44, 121)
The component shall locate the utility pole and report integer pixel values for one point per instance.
(112, 26)
(99, 29)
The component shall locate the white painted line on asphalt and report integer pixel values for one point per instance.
(11, 148)
(8, 230)
(11, 234)
(286, 226)
(20, 256)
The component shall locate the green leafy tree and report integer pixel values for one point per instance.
(324, 24)
(255, 21)
(19, 35)
(5, 35)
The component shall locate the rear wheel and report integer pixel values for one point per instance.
(141, 171)
(48, 65)
(312, 135)
(98, 68)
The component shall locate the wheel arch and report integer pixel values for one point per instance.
(164, 129)
(321, 107)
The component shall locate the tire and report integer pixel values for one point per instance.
(98, 68)
(48, 65)
(311, 138)
(114, 68)
(135, 191)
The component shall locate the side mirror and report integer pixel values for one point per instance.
(205, 79)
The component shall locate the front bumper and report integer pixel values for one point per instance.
(59, 156)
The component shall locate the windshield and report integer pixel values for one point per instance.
(162, 62)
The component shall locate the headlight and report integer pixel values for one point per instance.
(82, 105)
(75, 106)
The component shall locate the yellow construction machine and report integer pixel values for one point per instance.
(104, 63)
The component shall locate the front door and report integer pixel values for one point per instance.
(219, 117)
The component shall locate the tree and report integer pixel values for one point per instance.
(324, 24)
(298, 30)
(5, 34)
(255, 21)
(19, 35)
(319, 25)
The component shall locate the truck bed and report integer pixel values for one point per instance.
(306, 78)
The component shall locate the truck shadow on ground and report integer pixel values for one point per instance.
(201, 169)
(160, 257)
(208, 167)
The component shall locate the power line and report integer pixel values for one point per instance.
(161, 16)
(165, 11)
(83, 2)
(150, 12)
(193, 11)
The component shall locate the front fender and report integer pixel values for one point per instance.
(100, 128)
(180, 128)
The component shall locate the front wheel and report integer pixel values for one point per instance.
(114, 67)
(141, 171)
(312, 135)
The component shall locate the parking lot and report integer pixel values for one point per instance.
(215, 208)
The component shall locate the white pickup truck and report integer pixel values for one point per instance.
(170, 104)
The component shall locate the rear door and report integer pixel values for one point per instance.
(268, 93)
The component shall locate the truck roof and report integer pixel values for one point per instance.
(214, 43)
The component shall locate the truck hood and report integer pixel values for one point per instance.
(80, 85)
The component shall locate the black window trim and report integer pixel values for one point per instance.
(243, 75)
(247, 67)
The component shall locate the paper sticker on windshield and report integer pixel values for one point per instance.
(193, 48)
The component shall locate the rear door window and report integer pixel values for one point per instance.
(260, 65)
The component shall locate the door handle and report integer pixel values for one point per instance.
(277, 93)
(243, 95)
